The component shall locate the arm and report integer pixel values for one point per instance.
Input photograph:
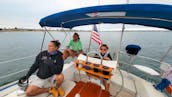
(80, 45)
(69, 45)
(58, 67)
(96, 56)
(34, 67)
(108, 57)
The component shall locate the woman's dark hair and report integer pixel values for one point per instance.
(77, 35)
(56, 43)
(104, 45)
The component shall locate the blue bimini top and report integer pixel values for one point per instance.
(153, 15)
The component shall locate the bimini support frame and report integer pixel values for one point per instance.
(43, 40)
(120, 43)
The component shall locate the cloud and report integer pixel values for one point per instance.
(27, 13)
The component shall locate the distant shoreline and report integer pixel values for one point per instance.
(66, 30)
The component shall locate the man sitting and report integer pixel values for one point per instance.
(49, 66)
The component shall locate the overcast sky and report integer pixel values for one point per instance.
(27, 13)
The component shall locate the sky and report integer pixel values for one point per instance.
(27, 13)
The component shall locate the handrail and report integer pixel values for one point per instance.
(13, 60)
(13, 73)
(155, 60)
(17, 59)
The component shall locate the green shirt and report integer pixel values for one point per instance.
(75, 45)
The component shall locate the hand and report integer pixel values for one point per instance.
(23, 79)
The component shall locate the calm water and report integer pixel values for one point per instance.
(14, 45)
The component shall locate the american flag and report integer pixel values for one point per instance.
(95, 35)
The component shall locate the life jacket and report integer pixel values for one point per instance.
(104, 56)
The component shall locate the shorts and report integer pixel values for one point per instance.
(42, 83)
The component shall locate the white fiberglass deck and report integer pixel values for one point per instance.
(133, 85)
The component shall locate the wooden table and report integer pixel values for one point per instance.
(95, 70)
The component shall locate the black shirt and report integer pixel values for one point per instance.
(47, 65)
(103, 55)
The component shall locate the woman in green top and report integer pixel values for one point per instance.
(74, 48)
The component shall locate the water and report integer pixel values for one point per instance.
(22, 44)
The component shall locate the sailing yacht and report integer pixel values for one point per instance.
(83, 82)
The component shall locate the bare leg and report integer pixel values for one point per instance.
(59, 79)
(106, 84)
(80, 52)
(56, 89)
(65, 54)
(71, 53)
(34, 90)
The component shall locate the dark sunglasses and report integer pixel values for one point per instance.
(103, 49)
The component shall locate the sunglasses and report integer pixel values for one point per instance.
(103, 49)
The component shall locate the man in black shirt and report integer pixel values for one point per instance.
(49, 66)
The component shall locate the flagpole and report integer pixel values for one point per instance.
(89, 45)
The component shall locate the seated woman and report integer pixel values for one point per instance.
(74, 48)
(49, 66)
(105, 55)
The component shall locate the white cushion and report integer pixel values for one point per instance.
(108, 63)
